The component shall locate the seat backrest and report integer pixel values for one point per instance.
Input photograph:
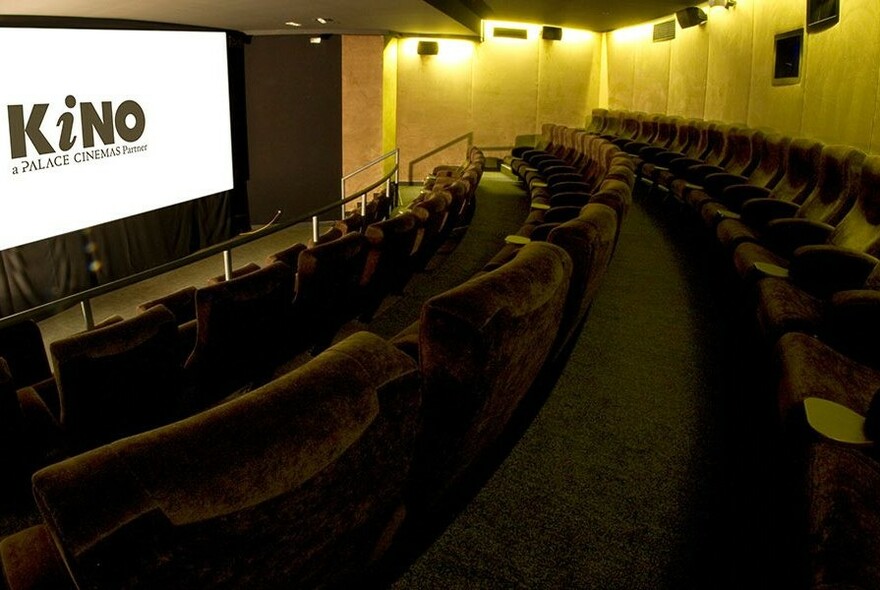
(21, 344)
(801, 171)
(772, 152)
(265, 491)
(744, 149)
(836, 186)
(243, 330)
(389, 263)
(589, 240)
(597, 120)
(684, 132)
(481, 345)
(328, 287)
(860, 227)
(666, 128)
(120, 379)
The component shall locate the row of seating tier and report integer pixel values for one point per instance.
(799, 222)
(307, 480)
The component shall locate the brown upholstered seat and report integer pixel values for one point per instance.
(243, 331)
(480, 346)
(120, 379)
(842, 517)
(721, 188)
(799, 180)
(298, 484)
(391, 246)
(328, 288)
(812, 222)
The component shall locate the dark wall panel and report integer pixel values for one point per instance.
(294, 107)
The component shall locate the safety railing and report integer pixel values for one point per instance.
(395, 153)
(84, 298)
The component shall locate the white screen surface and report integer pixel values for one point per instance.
(167, 139)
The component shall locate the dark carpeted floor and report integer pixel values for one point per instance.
(651, 464)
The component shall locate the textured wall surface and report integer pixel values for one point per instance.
(362, 107)
(487, 94)
(724, 70)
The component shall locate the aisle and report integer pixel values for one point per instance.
(642, 469)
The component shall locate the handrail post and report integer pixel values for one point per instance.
(227, 264)
(315, 229)
(88, 319)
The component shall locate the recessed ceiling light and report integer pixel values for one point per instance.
(291, 23)
(324, 20)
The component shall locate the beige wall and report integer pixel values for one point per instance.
(362, 107)
(723, 70)
(488, 93)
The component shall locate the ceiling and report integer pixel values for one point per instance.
(357, 16)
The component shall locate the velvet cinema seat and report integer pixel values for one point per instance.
(298, 484)
(753, 206)
(813, 221)
(327, 288)
(842, 517)
(243, 331)
(480, 347)
(391, 247)
(722, 189)
(120, 379)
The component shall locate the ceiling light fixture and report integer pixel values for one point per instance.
(317, 39)
(291, 23)
(725, 4)
(324, 20)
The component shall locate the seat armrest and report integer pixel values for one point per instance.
(825, 269)
(784, 236)
(649, 152)
(722, 214)
(767, 269)
(836, 422)
(517, 240)
(541, 206)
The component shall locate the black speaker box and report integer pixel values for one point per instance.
(551, 33)
(690, 17)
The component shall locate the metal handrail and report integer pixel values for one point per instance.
(385, 179)
(83, 298)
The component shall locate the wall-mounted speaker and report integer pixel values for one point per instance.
(551, 33)
(691, 17)
(428, 48)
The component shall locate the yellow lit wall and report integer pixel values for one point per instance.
(723, 70)
(389, 98)
(488, 93)
(362, 107)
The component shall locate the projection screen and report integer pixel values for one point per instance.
(101, 124)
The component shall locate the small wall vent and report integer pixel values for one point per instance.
(664, 31)
(511, 33)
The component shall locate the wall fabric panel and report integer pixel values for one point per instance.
(294, 106)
